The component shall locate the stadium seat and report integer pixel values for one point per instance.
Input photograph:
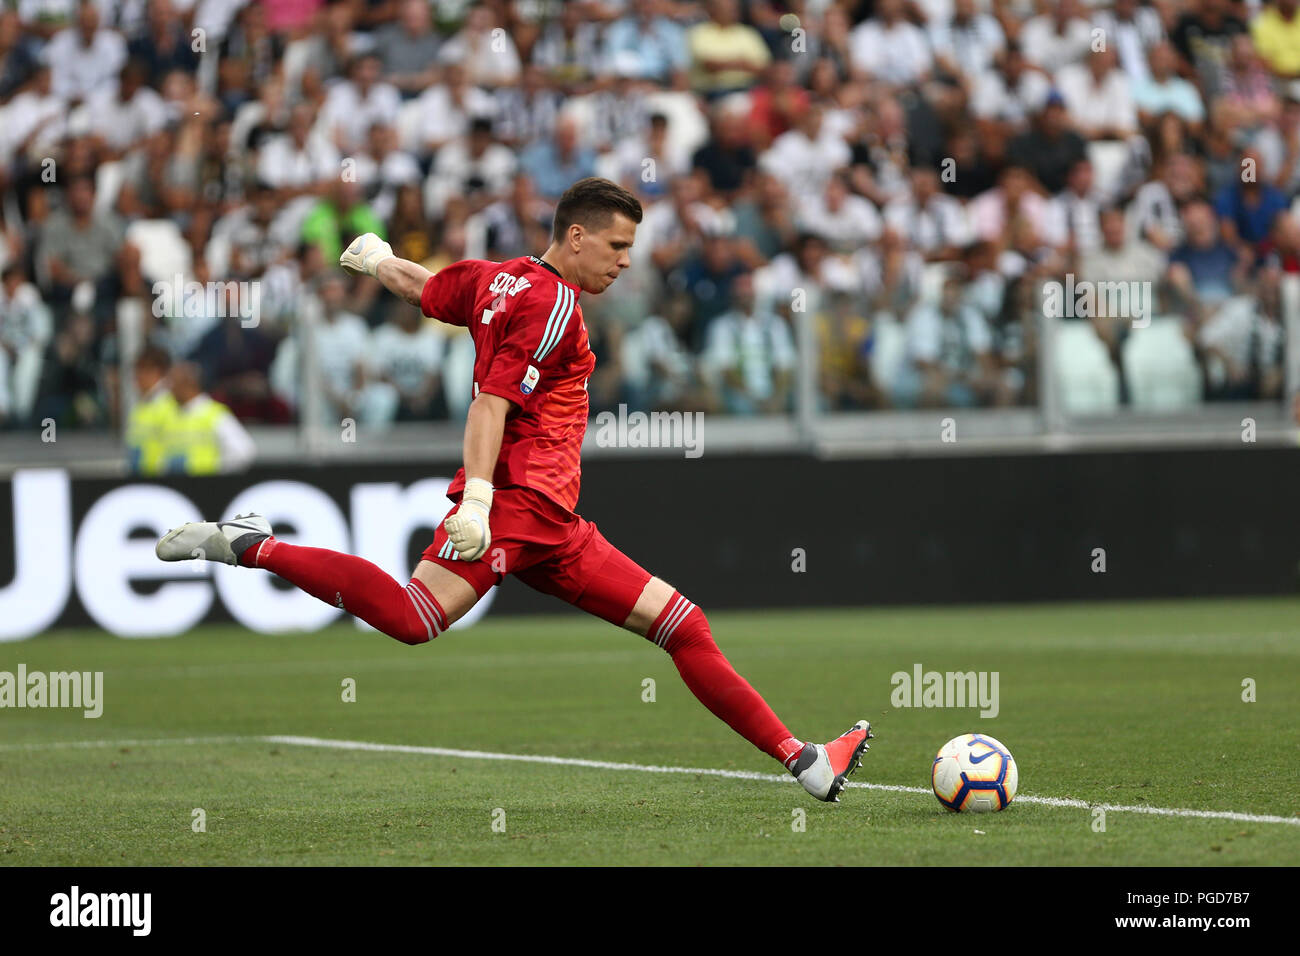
(217, 253)
(108, 183)
(1088, 382)
(1108, 160)
(163, 250)
(410, 120)
(298, 56)
(933, 276)
(1161, 367)
(248, 117)
(687, 127)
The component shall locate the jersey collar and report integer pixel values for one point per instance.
(537, 260)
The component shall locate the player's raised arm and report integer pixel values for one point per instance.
(369, 255)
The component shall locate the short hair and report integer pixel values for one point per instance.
(592, 203)
(155, 357)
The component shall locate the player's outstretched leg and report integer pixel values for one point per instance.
(410, 613)
(622, 592)
(682, 630)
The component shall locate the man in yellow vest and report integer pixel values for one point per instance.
(151, 419)
(204, 438)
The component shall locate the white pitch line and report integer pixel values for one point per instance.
(361, 745)
(754, 775)
(83, 744)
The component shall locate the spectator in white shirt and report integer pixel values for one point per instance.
(950, 353)
(34, 121)
(805, 157)
(627, 162)
(1013, 92)
(484, 49)
(889, 47)
(1098, 96)
(299, 161)
(932, 222)
(968, 43)
(1052, 40)
(447, 109)
(474, 168)
(405, 363)
(805, 276)
(383, 169)
(846, 221)
(1132, 30)
(123, 115)
(356, 104)
(1078, 210)
(342, 342)
(26, 327)
(215, 16)
(84, 58)
(749, 355)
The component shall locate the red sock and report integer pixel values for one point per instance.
(683, 631)
(410, 614)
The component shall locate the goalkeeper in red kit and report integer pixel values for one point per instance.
(515, 496)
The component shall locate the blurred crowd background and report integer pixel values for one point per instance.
(881, 187)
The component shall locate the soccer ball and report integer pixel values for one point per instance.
(974, 772)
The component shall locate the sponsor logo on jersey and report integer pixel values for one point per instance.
(530, 380)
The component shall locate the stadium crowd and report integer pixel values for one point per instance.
(887, 182)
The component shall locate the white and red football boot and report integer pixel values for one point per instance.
(222, 541)
(823, 769)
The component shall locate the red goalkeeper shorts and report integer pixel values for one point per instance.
(550, 549)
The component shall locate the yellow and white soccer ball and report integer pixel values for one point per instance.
(975, 773)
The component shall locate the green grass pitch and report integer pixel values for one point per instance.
(1127, 705)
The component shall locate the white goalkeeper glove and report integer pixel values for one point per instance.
(365, 254)
(468, 528)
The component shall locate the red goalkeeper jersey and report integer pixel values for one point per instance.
(530, 347)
